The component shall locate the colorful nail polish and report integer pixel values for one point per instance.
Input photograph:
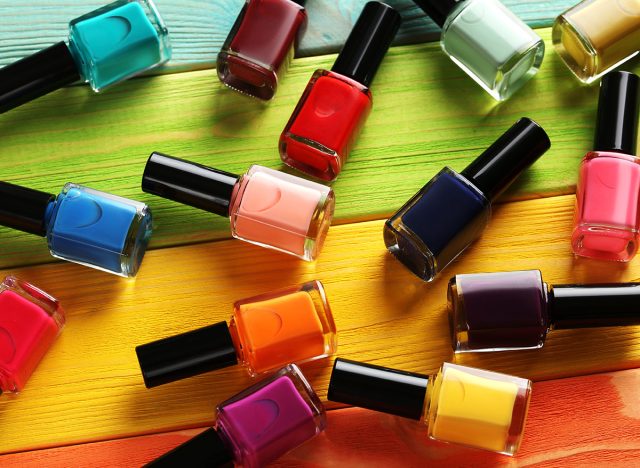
(460, 405)
(256, 426)
(335, 104)
(106, 46)
(491, 44)
(260, 46)
(439, 222)
(82, 225)
(265, 333)
(515, 310)
(607, 215)
(596, 36)
(266, 207)
(30, 321)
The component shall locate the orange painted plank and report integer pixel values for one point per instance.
(573, 422)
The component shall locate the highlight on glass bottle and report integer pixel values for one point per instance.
(106, 46)
(266, 207)
(260, 46)
(459, 405)
(335, 104)
(607, 215)
(427, 234)
(595, 36)
(30, 321)
(82, 225)
(256, 426)
(516, 310)
(490, 43)
(265, 333)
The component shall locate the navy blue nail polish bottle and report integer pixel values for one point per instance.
(81, 225)
(439, 222)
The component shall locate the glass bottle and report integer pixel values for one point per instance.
(516, 310)
(460, 405)
(265, 333)
(260, 46)
(440, 221)
(266, 207)
(82, 225)
(106, 46)
(595, 36)
(255, 427)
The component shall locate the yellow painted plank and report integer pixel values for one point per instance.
(89, 386)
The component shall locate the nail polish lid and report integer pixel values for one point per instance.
(36, 75)
(190, 183)
(518, 148)
(438, 10)
(24, 209)
(204, 450)
(617, 124)
(594, 305)
(300, 2)
(368, 42)
(185, 355)
(378, 388)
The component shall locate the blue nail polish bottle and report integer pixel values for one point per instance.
(106, 46)
(439, 222)
(81, 225)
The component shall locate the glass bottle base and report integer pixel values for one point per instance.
(311, 157)
(410, 250)
(245, 76)
(575, 50)
(604, 242)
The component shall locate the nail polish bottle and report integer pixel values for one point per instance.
(106, 46)
(460, 405)
(607, 216)
(256, 426)
(266, 207)
(30, 321)
(491, 44)
(440, 221)
(265, 333)
(260, 46)
(335, 104)
(82, 225)
(596, 36)
(515, 310)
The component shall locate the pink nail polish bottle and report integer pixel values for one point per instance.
(266, 207)
(607, 217)
(256, 426)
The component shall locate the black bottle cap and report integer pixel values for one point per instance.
(617, 124)
(185, 355)
(205, 450)
(36, 75)
(189, 183)
(300, 2)
(368, 42)
(23, 208)
(438, 10)
(378, 388)
(594, 305)
(517, 149)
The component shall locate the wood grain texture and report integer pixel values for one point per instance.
(89, 386)
(427, 114)
(198, 28)
(600, 417)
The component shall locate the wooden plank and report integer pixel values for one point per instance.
(198, 28)
(600, 417)
(427, 114)
(89, 387)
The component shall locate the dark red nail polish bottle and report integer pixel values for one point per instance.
(336, 103)
(260, 46)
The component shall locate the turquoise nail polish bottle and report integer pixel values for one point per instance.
(106, 46)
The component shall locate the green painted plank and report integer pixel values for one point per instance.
(426, 114)
(199, 27)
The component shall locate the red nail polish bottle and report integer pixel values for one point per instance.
(336, 103)
(260, 46)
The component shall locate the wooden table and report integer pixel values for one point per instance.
(87, 405)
